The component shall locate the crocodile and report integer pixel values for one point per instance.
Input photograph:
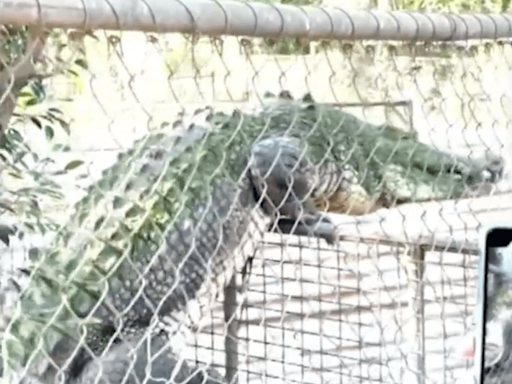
(127, 362)
(173, 218)
(142, 359)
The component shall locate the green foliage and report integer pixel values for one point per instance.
(453, 6)
(68, 57)
(24, 202)
(20, 160)
(14, 45)
(26, 187)
(287, 45)
(154, 186)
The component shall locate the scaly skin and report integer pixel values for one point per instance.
(177, 210)
(179, 217)
(361, 167)
(126, 363)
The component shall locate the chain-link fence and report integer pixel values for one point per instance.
(290, 194)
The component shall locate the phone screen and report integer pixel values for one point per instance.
(493, 312)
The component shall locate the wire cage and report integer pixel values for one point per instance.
(358, 313)
(390, 301)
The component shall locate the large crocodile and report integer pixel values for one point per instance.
(172, 218)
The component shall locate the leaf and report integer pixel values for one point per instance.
(73, 73)
(63, 124)
(15, 175)
(25, 94)
(48, 131)
(73, 164)
(36, 121)
(82, 63)
(38, 89)
(55, 110)
(5, 232)
(15, 135)
(61, 147)
(31, 102)
(34, 254)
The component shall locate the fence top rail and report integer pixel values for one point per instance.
(236, 18)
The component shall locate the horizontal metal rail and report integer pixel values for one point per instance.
(215, 18)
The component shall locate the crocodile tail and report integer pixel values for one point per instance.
(149, 359)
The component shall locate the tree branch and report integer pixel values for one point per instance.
(13, 78)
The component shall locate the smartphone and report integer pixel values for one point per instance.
(491, 347)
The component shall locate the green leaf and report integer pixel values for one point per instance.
(15, 135)
(73, 73)
(34, 254)
(63, 124)
(73, 165)
(31, 102)
(38, 89)
(36, 121)
(5, 232)
(61, 147)
(48, 131)
(55, 110)
(15, 175)
(82, 63)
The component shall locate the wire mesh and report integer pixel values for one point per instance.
(144, 175)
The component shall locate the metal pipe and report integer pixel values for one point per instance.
(214, 18)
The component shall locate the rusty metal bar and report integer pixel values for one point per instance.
(416, 271)
(226, 17)
(231, 338)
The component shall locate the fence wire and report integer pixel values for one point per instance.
(238, 209)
